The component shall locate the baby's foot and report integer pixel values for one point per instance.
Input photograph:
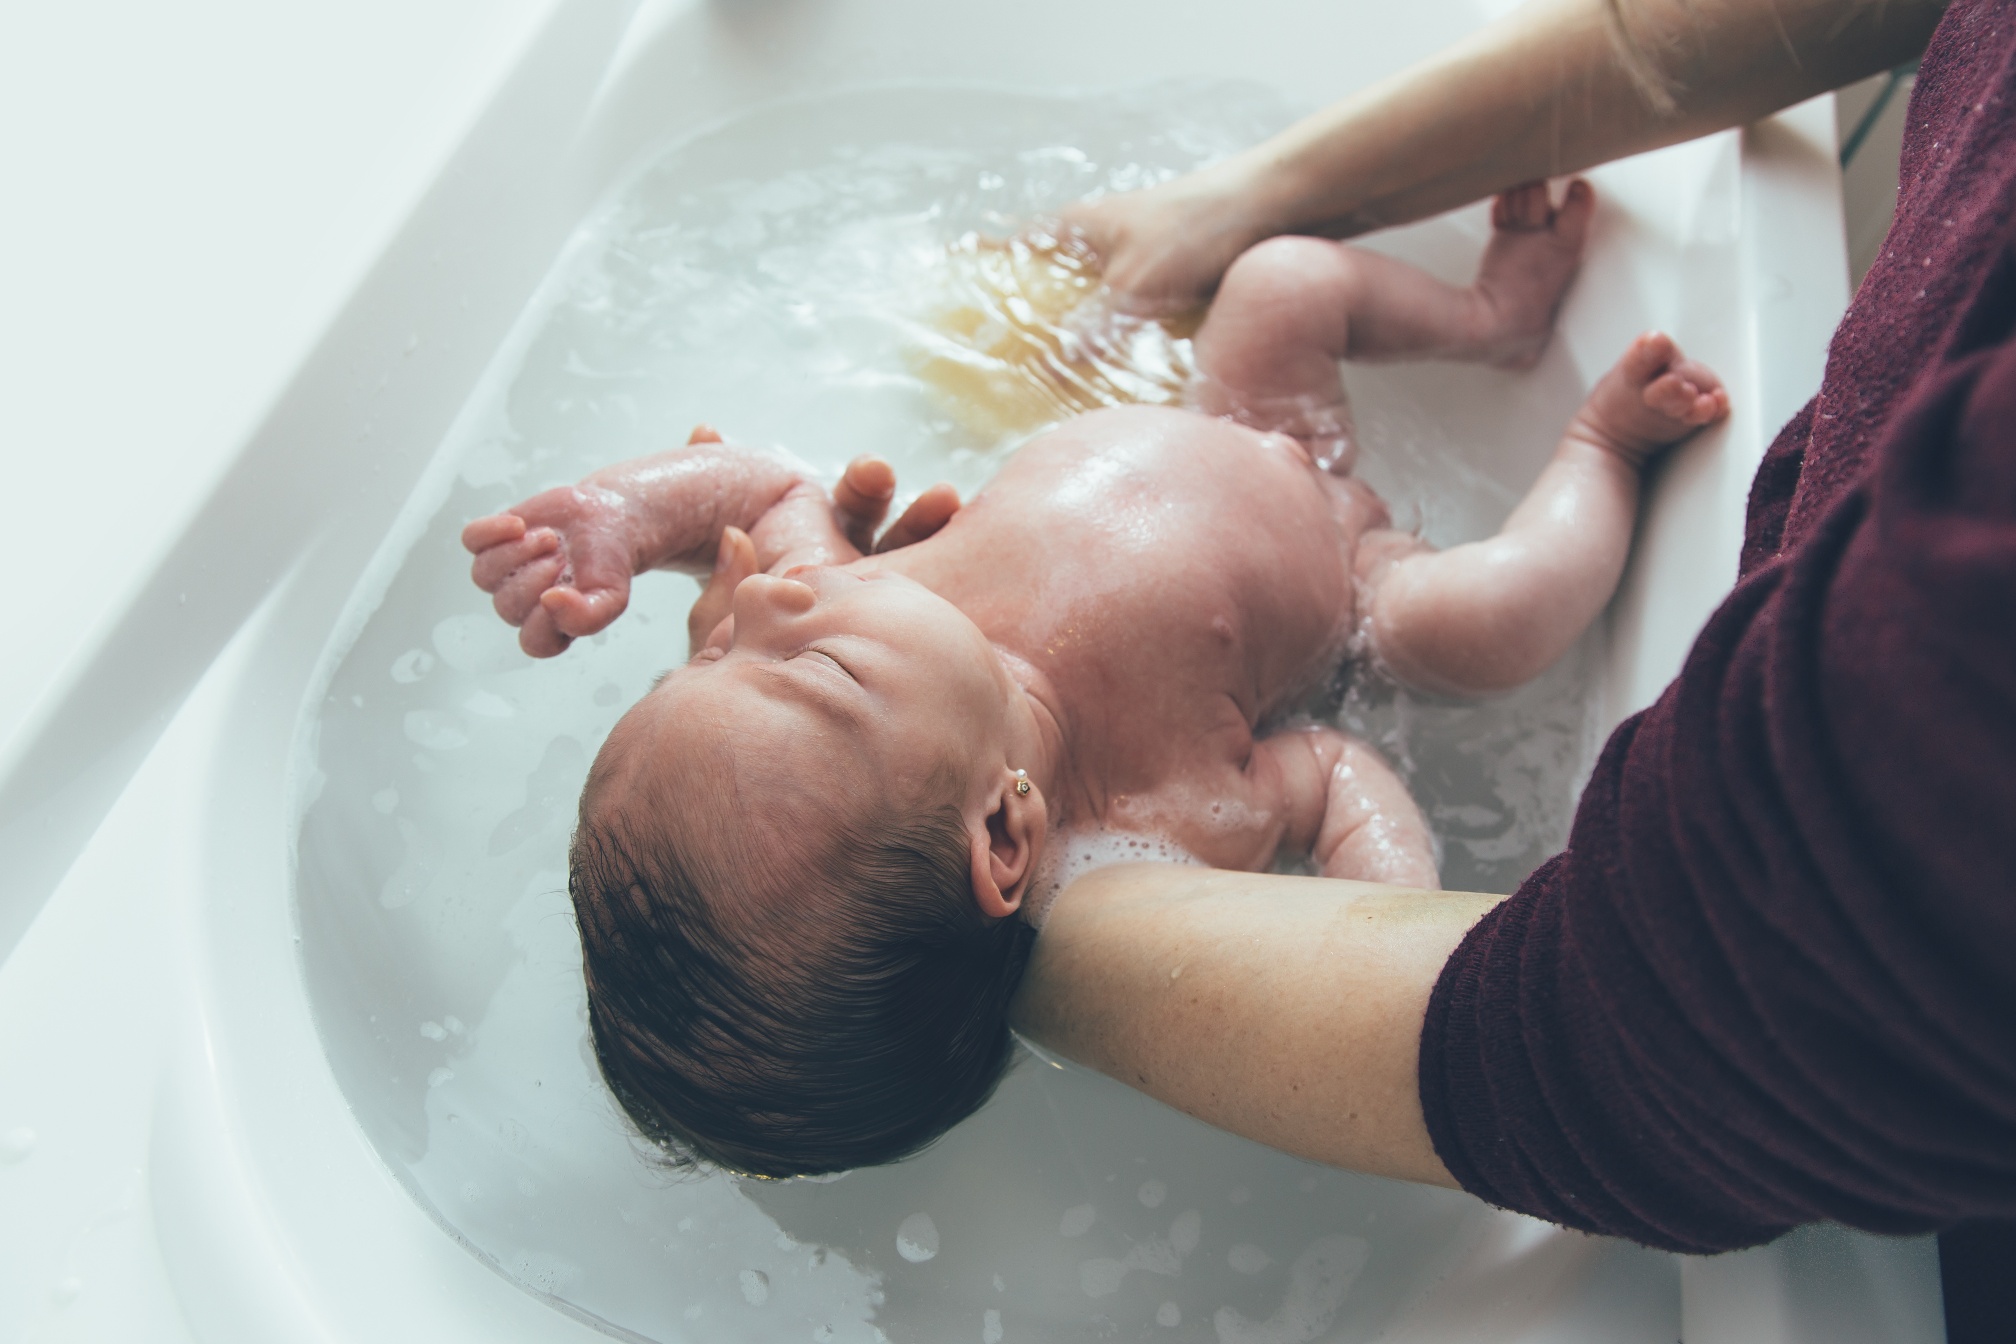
(1652, 398)
(1535, 248)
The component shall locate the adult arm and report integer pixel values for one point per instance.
(1285, 1009)
(1773, 978)
(1553, 88)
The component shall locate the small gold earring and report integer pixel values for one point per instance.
(1022, 783)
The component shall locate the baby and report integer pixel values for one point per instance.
(804, 861)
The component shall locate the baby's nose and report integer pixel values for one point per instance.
(774, 595)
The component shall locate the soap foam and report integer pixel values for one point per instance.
(1080, 851)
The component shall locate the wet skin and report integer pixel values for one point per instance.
(1128, 610)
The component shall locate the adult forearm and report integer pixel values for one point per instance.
(1559, 86)
(1284, 1009)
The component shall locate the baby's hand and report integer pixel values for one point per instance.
(860, 502)
(557, 566)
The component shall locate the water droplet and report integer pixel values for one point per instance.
(1248, 1259)
(439, 1076)
(1169, 1315)
(1186, 1231)
(1077, 1220)
(917, 1238)
(1101, 1278)
(990, 1326)
(386, 800)
(16, 1144)
(1152, 1193)
(755, 1287)
(433, 1031)
(1240, 1194)
(489, 705)
(434, 730)
(412, 665)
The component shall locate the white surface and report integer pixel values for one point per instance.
(254, 370)
(194, 190)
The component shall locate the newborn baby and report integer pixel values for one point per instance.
(804, 861)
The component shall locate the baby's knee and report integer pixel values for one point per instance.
(1285, 268)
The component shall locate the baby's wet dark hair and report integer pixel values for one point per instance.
(864, 1016)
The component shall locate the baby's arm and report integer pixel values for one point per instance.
(1491, 614)
(559, 565)
(1347, 809)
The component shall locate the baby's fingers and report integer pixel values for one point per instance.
(576, 614)
(733, 562)
(861, 499)
(540, 637)
(494, 565)
(517, 597)
(494, 530)
(926, 514)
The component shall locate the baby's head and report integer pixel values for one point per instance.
(797, 876)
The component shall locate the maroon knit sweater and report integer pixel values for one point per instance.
(1773, 978)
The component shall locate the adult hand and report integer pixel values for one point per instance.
(1162, 250)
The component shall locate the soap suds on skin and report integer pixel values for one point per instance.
(1080, 852)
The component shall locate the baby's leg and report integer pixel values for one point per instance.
(1488, 615)
(1291, 308)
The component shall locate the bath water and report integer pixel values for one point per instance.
(785, 278)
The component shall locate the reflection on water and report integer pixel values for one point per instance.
(810, 277)
(1020, 339)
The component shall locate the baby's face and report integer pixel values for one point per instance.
(830, 682)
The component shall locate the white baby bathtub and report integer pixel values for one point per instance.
(179, 1157)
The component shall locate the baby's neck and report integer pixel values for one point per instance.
(1042, 729)
(962, 565)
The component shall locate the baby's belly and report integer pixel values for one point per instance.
(1183, 543)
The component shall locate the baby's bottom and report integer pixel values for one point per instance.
(1290, 308)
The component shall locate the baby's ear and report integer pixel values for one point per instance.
(1007, 845)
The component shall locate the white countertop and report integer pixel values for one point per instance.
(192, 191)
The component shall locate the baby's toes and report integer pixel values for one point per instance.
(1578, 207)
(1673, 396)
(1523, 208)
